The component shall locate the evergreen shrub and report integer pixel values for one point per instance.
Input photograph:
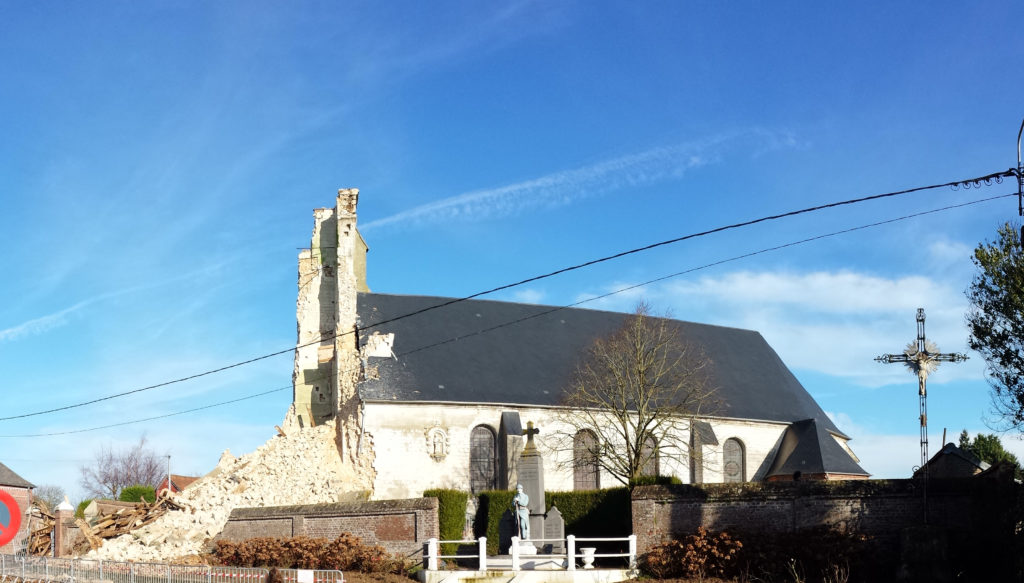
(587, 513)
(656, 481)
(451, 515)
(80, 509)
(134, 493)
(491, 506)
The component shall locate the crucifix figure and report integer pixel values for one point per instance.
(922, 357)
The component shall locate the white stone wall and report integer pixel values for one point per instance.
(760, 442)
(405, 467)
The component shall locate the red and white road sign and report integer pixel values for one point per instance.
(10, 518)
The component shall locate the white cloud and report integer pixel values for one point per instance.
(42, 324)
(946, 251)
(887, 456)
(835, 323)
(842, 292)
(568, 186)
(528, 296)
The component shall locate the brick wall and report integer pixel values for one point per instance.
(400, 526)
(69, 535)
(879, 508)
(23, 497)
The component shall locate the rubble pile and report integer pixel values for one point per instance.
(300, 467)
(40, 539)
(123, 521)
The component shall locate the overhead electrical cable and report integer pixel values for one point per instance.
(193, 410)
(559, 308)
(987, 179)
(705, 266)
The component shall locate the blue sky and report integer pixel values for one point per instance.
(159, 164)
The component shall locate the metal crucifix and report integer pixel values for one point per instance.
(922, 358)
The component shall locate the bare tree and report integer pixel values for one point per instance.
(631, 401)
(112, 470)
(49, 494)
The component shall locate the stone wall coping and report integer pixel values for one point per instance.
(787, 490)
(338, 508)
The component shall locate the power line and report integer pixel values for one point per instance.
(702, 267)
(565, 307)
(55, 433)
(967, 183)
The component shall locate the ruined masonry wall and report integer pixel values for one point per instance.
(316, 318)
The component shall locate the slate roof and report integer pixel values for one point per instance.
(9, 478)
(808, 448)
(952, 461)
(482, 351)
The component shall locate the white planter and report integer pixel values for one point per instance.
(588, 556)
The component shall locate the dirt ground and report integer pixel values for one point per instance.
(366, 578)
(352, 577)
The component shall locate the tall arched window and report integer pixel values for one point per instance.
(649, 457)
(482, 467)
(585, 472)
(734, 467)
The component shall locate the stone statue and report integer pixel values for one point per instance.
(520, 502)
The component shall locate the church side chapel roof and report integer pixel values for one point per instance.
(442, 356)
(9, 478)
(808, 447)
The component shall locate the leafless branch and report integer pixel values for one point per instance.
(112, 470)
(637, 391)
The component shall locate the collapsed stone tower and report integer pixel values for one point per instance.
(320, 454)
(327, 364)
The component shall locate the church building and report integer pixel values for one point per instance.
(431, 392)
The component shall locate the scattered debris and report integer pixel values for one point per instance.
(123, 521)
(40, 540)
(297, 466)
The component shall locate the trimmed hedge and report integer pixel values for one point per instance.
(587, 513)
(492, 506)
(594, 513)
(451, 515)
(134, 493)
(656, 481)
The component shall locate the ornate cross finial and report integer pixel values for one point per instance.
(922, 357)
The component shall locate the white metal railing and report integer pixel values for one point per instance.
(432, 556)
(96, 571)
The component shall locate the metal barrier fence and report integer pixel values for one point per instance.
(320, 576)
(97, 571)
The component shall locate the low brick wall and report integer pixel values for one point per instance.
(878, 508)
(400, 526)
(22, 497)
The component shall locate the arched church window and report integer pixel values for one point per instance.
(482, 457)
(734, 467)
(585, 472)
(649, 457)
